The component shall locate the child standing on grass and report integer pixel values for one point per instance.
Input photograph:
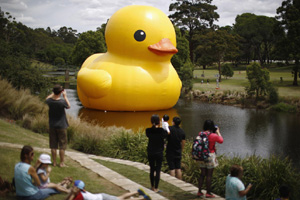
(43, 172)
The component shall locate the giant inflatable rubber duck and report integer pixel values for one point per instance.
(135, 74)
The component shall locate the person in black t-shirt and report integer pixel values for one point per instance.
(176, 142)
(155, 150)
(58, 123)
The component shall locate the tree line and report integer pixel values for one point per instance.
(199, 40)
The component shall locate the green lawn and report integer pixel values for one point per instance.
(169, 191)
(239, 81)
(10, 132)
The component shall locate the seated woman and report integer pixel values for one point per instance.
(235, 189)
(24, 173)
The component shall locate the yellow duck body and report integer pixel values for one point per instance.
(135, 74)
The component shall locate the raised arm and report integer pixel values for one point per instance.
(33, 174)
(64, 93)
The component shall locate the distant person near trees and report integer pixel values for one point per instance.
(235, 189)
(207, 166)
(58, 123)
(155, 149)
(176, 142)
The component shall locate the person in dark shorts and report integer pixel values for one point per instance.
(155, 149)
(58, 123)
(176, 142)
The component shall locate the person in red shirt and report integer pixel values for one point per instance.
(207, 167)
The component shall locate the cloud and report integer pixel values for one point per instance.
(84, 15)
(229, 9)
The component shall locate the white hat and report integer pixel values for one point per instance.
(45, 159)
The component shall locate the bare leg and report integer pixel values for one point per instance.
(172, 172)
(129, 194)
(201, 179)
(53, 153)
(62, 157)
(178, 173)
(209, 179)
(58, 187)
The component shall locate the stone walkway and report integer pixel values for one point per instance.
(87, 161)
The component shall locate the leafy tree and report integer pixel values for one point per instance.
(89, 42)
(68, 35)
(227, 70)
(217, 46)
(259, 80)
(183, 51)
(59, 61)
(289, 16)
(258, 36)
(193, 16)
(186, 76)
(18, 71)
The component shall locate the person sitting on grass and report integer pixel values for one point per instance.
(44, 171)
(24, 174)
(78, 192)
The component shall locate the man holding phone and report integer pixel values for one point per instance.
(58, 123)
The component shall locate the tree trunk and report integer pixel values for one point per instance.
(296, 71)
(219, 68)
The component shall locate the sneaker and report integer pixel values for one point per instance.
(209, 196)
(200, 194)
(141, 192)
(147, 197)
(144, 194)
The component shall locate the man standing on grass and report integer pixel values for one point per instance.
(58, 123)
(176, 141)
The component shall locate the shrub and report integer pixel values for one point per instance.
(16, 104)
(283, 107)
(273, 95)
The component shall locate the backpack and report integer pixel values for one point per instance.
(200, 150)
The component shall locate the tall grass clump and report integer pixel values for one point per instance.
(283, 107)
(15, 104)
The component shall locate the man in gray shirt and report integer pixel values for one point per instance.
(58, 123)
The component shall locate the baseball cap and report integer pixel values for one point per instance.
(80, 184)
(45, 159)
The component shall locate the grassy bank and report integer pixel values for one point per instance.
(10, 132)
(231, 91)
(239, 81)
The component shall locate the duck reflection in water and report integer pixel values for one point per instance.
(128, 120)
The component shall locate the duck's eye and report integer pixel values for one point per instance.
(139, 35)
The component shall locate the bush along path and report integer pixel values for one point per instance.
(86, 160)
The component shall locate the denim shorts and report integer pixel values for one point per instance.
(41, 194)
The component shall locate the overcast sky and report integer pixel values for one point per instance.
(84, 15)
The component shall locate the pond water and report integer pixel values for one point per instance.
(245, 131)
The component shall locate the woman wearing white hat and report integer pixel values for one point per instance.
(43, 172)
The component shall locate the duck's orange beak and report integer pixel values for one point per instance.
(163, 47)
